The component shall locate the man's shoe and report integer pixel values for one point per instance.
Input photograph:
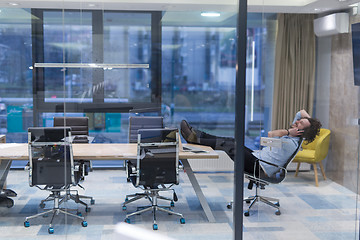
(188, 133)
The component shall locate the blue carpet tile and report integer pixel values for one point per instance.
(307, 212)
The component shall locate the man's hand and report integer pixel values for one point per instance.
(295, 132)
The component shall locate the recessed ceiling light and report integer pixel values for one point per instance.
(91, 5)
(210, 14)
(13, 4)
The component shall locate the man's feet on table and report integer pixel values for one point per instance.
(188, 132)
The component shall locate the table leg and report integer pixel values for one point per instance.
(198, 191)
(4, 170)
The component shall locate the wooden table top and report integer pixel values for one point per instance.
(100, 151)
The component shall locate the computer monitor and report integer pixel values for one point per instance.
(158, 135)
(49, 134)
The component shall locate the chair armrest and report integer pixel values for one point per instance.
(76, 168)
(27, 167)
(181, 166)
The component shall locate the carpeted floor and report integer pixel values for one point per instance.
(307, 212)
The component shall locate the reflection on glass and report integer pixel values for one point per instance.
(15, 73)
(127, 39)
(67, 39)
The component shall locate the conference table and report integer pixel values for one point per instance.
(117, 151)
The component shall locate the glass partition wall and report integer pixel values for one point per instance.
(180, 62)
(304, 66)
(108, 64)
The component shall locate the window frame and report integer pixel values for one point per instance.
(98, 104)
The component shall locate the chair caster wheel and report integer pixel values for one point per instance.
(84, 223)
(155, 226)
(6, 202)
(246, 213)
(50, 230)
(10, 203)
(127, 220)
(126, 199)
(123, 208)
(42, 205)
(277, 204)
(229, 206)
(26, 224)
(92, 201)
(87, 209)
(278, 212)
(182, 220)
(247, 201)
(79, 214)
(172, 204)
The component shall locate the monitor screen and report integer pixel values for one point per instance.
(355, 29)
(158, 135)
(49, 134)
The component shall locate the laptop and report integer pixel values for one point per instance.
(189, 148)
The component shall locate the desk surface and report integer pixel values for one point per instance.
(19, 151)
(99, 151)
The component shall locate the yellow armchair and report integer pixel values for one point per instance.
(314, 153)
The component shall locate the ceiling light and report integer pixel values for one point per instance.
(210, 14)
(91, 5)
(13, 4)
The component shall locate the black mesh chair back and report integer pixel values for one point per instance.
(158, 161)
(143, 122)
(50, 153)
(79, 127)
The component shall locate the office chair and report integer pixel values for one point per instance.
(263, 180)
(52, 168)
(143, 122)
(136, 123)
(314, 153)
(157, 166)
(80, 133)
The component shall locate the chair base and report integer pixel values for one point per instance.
(56, 210)
(69, 196)
(6, 201)
(153, 196)
(147, 195)
(273, 202)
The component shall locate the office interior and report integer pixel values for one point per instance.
(111, 60)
